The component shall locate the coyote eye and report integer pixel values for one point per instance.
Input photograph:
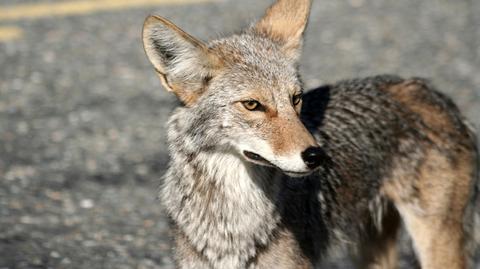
(252, 105)
(297, 98)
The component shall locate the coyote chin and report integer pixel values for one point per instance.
(264, 176)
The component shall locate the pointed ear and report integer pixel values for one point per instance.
(183, 63)
(284, 22)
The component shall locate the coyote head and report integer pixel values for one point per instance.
(241, 93)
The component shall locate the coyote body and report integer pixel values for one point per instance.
(259, 178)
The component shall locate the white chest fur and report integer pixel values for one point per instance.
(224, 206)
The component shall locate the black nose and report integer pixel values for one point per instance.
(312, 157)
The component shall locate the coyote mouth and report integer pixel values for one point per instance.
(297, 174)
(255, 157)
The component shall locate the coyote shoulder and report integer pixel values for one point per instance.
(263, 175)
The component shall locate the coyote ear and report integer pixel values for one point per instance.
(284, 22)
(183, 63)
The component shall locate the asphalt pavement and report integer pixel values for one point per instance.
(82, 113)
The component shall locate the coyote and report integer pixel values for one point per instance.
(263, 175)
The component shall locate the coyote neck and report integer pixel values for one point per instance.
(224, 206)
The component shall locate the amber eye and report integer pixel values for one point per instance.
(252, 105)
(297, 98)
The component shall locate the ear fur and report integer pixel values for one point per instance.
(284, 22)
(183, 63)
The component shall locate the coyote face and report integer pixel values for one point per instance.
(241, 93)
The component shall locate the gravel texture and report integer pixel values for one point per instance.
(82, 114)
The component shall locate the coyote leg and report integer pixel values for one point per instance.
(379, 251)
(433, 212)
(438, 241)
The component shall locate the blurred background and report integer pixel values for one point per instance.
(82, 114)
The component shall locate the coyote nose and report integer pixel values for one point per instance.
(312, 157)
